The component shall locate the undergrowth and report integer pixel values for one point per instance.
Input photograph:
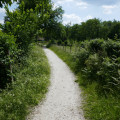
(30, 86)
(95, 106)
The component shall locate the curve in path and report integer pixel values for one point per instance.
(63, 101)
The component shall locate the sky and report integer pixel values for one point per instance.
(2, 11)
(77, 11)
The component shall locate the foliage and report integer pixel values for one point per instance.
(115, 30)
(112, 48)
(32, 4)
(32, 80)
(8, 53)
(92, 29)
(80, 58)
(99, 61)
(24, 26)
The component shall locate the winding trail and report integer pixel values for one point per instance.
(63, 100)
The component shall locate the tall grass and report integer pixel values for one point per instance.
(96, 106)
(30, 86)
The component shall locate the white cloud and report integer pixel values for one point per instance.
(61, 2)
(2, 21)
(58, 3)
(2, 14)
(88, 17)
(71, 18)
(79, 3)
(2, 10)
(82, 4)
(107, 9)
(74, 19)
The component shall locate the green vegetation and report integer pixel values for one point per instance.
(30, 86)
(91, 29)
(65, 56)
(98, 75)
(22, 27)
(8, 52)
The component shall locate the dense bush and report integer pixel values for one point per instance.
(109, 76)
(8, 53)
(19, 30)
(18, 33)
(80, 58)
(112, 48)
(99, 61)
(95, 46)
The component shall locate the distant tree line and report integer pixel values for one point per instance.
(91, 29)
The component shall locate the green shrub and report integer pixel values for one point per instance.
(8, 53)
(80, 58)
(92, 66)
(95, 46)
(109, 77)
(112, 48)
(98, 61)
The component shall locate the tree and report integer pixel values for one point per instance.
(115, 31)
(51, 26)
(75, 32)
(32, 4)
(92, 28)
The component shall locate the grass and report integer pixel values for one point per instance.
(95, 107)
(65, 56)
(32, 81)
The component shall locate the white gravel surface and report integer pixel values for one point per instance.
(63, 100)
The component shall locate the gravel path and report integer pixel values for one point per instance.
(63, 99)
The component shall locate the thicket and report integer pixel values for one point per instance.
(17, 34)
(8, 53)
(99, 60)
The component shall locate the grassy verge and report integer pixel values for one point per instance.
(65, 56)
(30, 87)
(95, 107)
